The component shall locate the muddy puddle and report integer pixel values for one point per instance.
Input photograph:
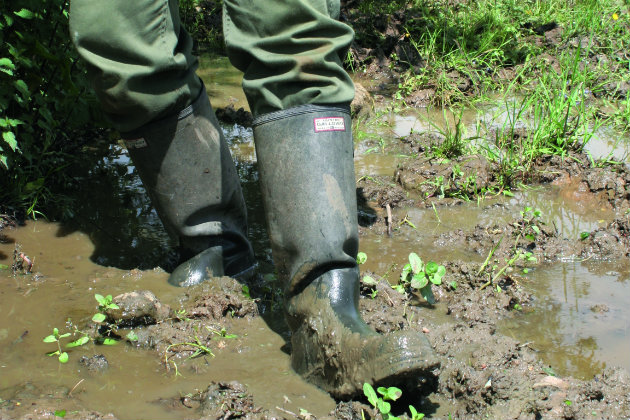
(136, 382)
(576, 321)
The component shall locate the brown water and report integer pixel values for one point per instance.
(136, 380)
(114, 230)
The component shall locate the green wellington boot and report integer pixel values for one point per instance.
(305, 159)
(187, 170)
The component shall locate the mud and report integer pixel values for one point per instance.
(220, 350)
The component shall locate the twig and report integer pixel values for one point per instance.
(286, 411)
(74, 387)
(391, 302)
(389, 219)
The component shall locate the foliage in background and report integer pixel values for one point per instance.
(202, 20)
(44, 101)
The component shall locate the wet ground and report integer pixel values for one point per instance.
(518, 337)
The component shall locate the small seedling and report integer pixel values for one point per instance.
(361, 258)
(55, 337)
(104, 303)
(414, 413)
(420, 276)
(526, 227)
(381, 405)
(221, 333)
(199, 347)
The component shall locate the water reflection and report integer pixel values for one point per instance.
(580, 320)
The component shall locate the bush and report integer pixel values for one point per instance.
(44, 101)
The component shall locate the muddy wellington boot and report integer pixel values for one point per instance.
(187, 170)
(305, 159)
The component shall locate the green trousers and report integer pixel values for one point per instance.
(142, 69)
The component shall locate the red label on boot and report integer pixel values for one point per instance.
(329, 124)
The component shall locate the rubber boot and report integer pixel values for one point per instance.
(187, 170)
(305, 159)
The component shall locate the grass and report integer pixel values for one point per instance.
(549, 106)
(477, 40)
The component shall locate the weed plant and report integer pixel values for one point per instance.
(44, 101)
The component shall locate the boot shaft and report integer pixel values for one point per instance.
(305, 160)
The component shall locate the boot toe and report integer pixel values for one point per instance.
(402, 356)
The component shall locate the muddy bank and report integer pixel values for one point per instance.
(483, 372)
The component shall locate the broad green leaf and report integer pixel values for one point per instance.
(427, 294)
(112, 306)
(436, 279)
(418, 281)
(34, 185)
(132, 336)
(369, 281)
(64, 335)
(399, 288)
(431, 268)
(100, 299)
(9, 122)
(63, 357)
(9, 138)
(416, 263)
(383, 406)
(110, 341)
(99, 317)
(369, 392)
(22, 87)
(56, 332)
(50, 339)
(25, 14)
(7, 63)
(361, 258)
(3, 266)
(76, 343)
(405, 272)
(392, 393)
(4, 161)
(60, 413)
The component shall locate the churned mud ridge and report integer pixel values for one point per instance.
(206, 315)
(222, 400)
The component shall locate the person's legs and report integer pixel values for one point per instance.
(140, 63)
(290, 52)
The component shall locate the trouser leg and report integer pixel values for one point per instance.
(289, 51)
